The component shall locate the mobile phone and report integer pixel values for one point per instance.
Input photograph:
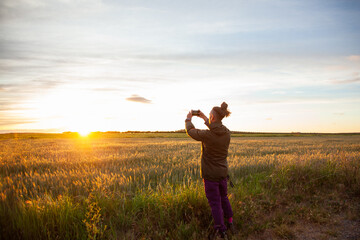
(195, 112)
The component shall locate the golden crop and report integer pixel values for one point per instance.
(88, 177)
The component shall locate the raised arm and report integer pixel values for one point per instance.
(202, 115)
(198, 135)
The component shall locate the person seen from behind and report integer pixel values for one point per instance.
(214, 167)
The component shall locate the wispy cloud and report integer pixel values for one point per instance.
(46, 84)
(11, 121)
(48, 9)
(104, 89)
(137, 98)
(354, 58)
(297, 101)
(32, 86)
(347, 81)
(5, 87)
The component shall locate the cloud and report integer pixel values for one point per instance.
(137, 98)
(17, 130)
(11, 121)
(348, 81)
(278, 92)
(354, 58)
(298, 100)
(32, 86)
(107, 89)
(48, 9)
(14, 122)
(5, 87)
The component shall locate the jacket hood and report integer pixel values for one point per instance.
(218, 128)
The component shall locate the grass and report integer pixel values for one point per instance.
(150, 188)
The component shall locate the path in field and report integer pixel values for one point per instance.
(341, 228)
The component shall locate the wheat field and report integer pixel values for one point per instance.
(150, 188)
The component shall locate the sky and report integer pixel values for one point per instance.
(93, 65)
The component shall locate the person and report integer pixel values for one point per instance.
(214, 167)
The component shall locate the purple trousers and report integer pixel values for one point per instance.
(216, 193)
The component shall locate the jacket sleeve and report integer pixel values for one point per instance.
(207, 123)
(198, 135)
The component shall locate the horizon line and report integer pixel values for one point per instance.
(176, 131)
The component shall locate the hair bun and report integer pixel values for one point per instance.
(224, 106)
(222, 111)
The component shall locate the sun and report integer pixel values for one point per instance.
(84, 133)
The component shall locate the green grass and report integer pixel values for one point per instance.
(150, 188)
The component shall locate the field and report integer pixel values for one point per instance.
(150, 188)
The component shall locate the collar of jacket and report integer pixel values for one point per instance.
(213, 124)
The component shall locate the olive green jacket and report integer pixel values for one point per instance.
(214, 149)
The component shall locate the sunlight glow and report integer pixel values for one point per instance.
(71, 109)
(84, 133)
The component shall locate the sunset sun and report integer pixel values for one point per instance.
(84, 133)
